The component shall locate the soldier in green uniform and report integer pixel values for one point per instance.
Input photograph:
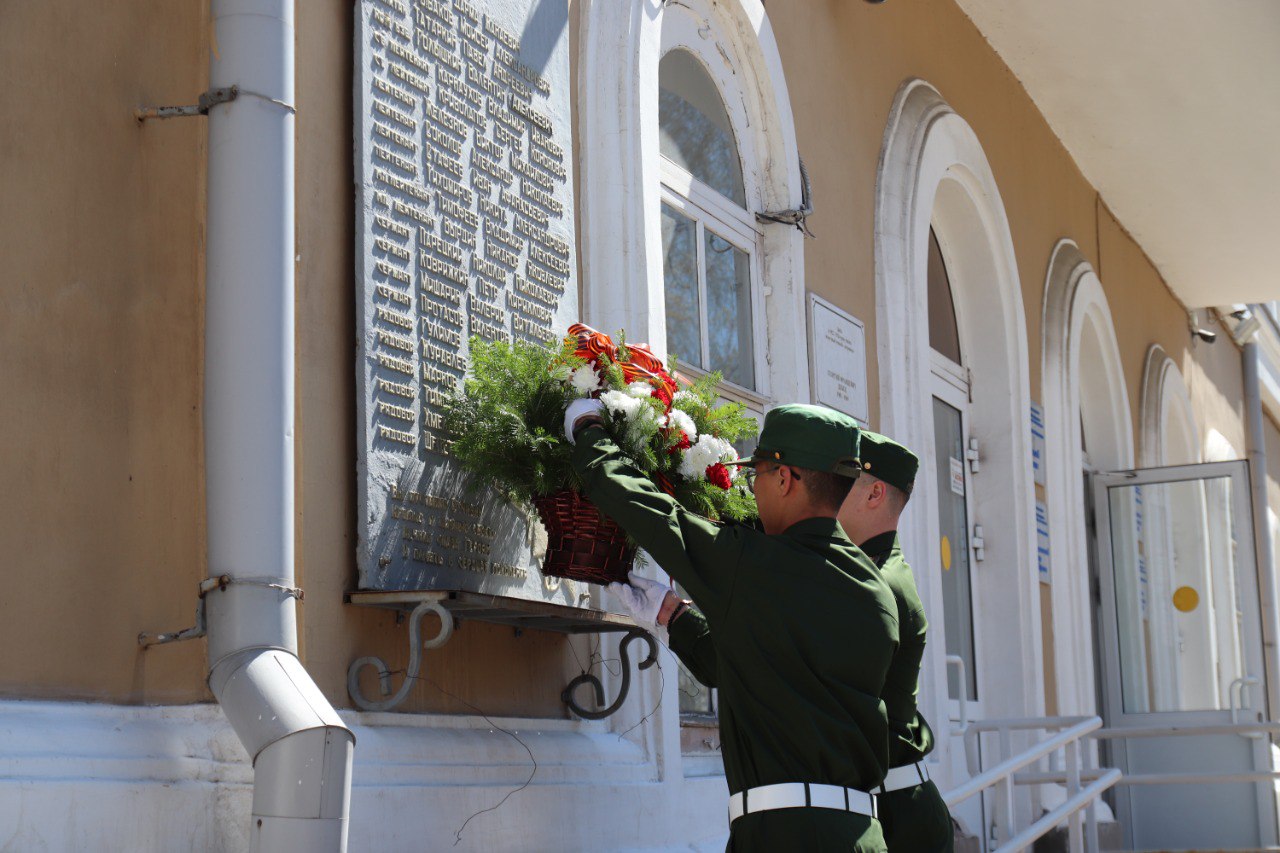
(803, 731)
(912, 813)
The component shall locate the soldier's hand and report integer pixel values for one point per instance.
(579, 411)
(642, 598)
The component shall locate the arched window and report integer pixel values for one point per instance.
(943, 335)
(709, 238)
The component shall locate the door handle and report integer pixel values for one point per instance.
(1236, 698)
(958, 663)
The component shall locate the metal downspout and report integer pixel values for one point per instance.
(1255, 441)
(301, 750)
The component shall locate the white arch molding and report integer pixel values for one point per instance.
(620, 226)
(620, 222)
(933, 172)
(1083, 388)
(1169, 434)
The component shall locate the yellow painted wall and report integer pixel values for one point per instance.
(102, 510)
(100, 322)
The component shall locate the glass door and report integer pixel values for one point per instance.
(955, 552)
(1182, 647)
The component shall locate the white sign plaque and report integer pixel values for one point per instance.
(837, 359)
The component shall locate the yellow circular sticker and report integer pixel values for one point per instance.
(1186, 599)
(946, 554)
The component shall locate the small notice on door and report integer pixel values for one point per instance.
(957, 476)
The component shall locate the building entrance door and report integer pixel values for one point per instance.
(1182, 642)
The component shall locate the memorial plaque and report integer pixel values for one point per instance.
(838, 359)
(464, 226)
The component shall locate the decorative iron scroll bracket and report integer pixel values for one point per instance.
(412, 672)
(796, 216)
(587, 678)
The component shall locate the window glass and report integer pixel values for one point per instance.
(729, 325)
(943, 335)
(1178, 605)
(680, 273)
(953, 524)
(694, 126)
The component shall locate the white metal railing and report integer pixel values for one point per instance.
(1247, 730)
(1085, 783)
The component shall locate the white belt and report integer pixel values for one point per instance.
(906, 776)
(799, 795)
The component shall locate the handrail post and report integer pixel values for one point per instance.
(1091, 810)
(1072, 751)
(1006, 751)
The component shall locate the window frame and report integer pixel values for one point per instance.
(708, 208)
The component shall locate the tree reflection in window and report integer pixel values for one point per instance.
(708, 240)
(694, 127)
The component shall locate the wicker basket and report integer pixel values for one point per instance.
(582, 544)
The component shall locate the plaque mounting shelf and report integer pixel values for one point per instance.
(449, 605)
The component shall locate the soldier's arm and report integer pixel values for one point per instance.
(699, 554)
(691, 641)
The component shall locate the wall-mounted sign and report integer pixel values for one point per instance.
(464, 226)
(1042, 540)
(957, 477)
(1037, 443)
(837, 359)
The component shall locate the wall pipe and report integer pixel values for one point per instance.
(1256, 444)
(300, 748)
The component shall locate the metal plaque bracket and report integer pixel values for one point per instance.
(414, 669)
(624, 688)
(519, 614)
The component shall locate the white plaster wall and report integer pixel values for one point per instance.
(77, 776)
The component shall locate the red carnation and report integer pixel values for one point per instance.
(719, 475)
(682, 444)
(663, 396)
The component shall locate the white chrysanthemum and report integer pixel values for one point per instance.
(681, 421)
(585, 380)
(621, 403)
(706, 451)
(639, 419)
(681, 396)
(640, 389)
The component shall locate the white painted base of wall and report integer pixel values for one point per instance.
(78, 776)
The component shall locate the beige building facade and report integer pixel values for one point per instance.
(1073, 356)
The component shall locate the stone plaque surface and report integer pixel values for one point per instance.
(464, 226)
(838, 359)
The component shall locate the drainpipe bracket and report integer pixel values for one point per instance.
(147, 639)
(207, 101)
(208, 585)
(221, 582)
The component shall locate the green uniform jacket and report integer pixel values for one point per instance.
(782, 614)
(910, 737)
(914, 820)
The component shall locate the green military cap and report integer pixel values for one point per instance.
(812, 437)
(885, 459)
